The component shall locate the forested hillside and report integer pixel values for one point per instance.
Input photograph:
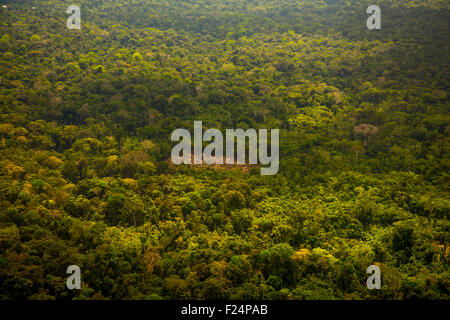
(85, 173)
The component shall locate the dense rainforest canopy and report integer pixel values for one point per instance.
(85, 123)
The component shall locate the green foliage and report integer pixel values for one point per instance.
(85, 175)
